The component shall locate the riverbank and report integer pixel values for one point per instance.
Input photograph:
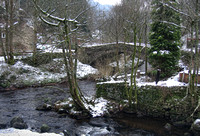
(22, 75)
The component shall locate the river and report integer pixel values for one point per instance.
(23, 103)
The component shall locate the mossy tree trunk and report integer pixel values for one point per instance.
(196, 67)
(190, 90)
(193, 81)
(134, 68)
(70, 62)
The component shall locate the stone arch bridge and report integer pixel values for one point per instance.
(99, 53)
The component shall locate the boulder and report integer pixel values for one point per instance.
(18, 123)
(196, 127)
(98, 122)
(45, 128)
(44, 107)
(181, 124)
(3, 125)
(168, 127)
(62, 111)
(66, 105)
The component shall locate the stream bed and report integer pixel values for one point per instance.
(23, 102)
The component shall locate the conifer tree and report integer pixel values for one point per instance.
(165, 37)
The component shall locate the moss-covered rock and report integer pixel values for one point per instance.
(45, 128)
(18, 122)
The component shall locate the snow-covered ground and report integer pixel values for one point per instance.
(17, 132)
(26, 74)
(172, 81)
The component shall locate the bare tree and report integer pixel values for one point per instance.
(67, 25)
(135, 25)
(9, 31)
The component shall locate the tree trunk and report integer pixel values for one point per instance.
(117, 50)
(6, 30)
(11, 31)
(135, 74)
(191, 88)
(195, 75)
(126, 39)
(69, 64)
(2, 46)
(146, 50)
(35, 36)
(132, 68)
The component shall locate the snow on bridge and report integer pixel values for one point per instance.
(114, 43)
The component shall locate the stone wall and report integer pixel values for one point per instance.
(155, 101)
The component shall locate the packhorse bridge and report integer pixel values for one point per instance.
(99, 53)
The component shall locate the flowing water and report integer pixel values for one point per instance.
(23, 102)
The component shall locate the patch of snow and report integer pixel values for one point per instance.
(181, 65)
(1, 58)
(105, 44)
(155, 52)
(16, 23)
(35, 74)
(112, 82)
(16, 132)
(162, 52)
(99, 108)
(84, 69)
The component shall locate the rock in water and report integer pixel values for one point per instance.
(168, 127)
(18, 123)
(196, 127)
(45, 128)
(44, 107)
(3, 125)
